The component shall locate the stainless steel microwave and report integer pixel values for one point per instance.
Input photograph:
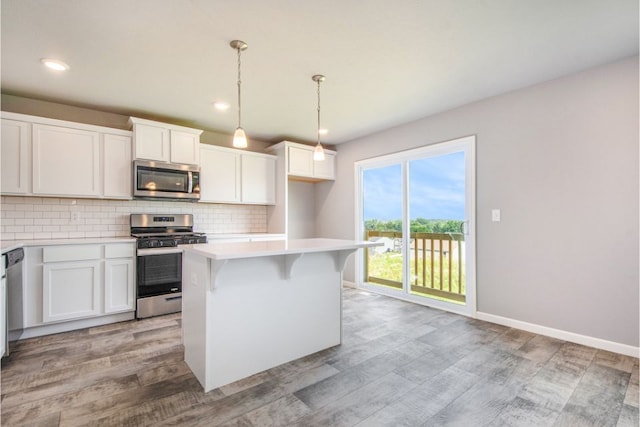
(158, 180)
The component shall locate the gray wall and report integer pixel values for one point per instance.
(560, 159)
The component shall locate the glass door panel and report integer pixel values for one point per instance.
(382, 203)
(420, 205)
(437, 211)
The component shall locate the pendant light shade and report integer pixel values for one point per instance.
(239, 137)
(318, 152)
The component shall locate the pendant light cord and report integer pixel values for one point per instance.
(239, 98)
(318, 111)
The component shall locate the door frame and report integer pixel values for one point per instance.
(467, 144)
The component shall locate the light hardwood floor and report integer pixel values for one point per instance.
(401, 364)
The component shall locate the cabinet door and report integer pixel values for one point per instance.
(258, 179)
(15, 157)
(151, 142)
(325, 169)
(300, 161)
(117, 166)
(71, 290)
(185, 148)
(119, 292)
(3, 311)
(219, 175)
(65, 161)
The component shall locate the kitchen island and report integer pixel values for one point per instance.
(251, 306)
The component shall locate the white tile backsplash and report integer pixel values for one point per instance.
(26, 218)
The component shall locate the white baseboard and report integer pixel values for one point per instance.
(615, 347)
(57, 328)
(348, 284)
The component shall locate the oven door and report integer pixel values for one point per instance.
(159, 272)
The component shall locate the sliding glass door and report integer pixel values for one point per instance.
(419, 205)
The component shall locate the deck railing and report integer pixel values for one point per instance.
(437, 263)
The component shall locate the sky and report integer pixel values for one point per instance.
(436, 189)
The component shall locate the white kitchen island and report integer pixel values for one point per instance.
(251, 306)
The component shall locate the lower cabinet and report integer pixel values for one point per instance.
(79, 281)
(119, 289)
(71, 290)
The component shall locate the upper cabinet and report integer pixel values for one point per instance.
(116, 161)
(165, 142)
(258, 178)
(16, 165)
(228, 175)
(219, 174)
(47, 157)
(300, 163)
(66, 161)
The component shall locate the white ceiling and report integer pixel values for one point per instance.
(387, 62)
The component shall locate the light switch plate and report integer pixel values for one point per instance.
(495, 215)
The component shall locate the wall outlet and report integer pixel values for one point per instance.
(495, 215)
(75, 217)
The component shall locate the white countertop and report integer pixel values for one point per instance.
(225, 251)
(8, 245)
(214, 236)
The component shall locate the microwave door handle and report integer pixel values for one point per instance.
(190, 182)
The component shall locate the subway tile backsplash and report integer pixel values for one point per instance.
(25, 218)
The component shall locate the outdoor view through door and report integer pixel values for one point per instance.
(420, 205)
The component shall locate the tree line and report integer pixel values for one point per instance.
(418, 225)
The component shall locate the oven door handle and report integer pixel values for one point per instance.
(190, 182)
(158, 251)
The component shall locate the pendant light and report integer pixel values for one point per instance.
(239, 137)
(318, 152)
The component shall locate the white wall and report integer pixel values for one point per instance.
(560, 159)
(301, 208)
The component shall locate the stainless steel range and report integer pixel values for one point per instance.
(159, 260)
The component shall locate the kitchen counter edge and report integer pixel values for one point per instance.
(9, 245)
(226, 251)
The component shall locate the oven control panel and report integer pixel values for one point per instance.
(157, 243)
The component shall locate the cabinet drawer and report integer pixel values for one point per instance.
(70, 253)
(119, 250)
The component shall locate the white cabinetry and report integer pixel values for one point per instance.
(66, 161)
(78, 281)
(116, 159)
(119, 283)
(219, 174)
(185, 147)
(71, 290)
(151, 142)
(228, 175)
(296, 178)
(3, 306)
(15, 157)
(258, 178)
(48, 157)
(325, 169)
(300, 163)
(164, 142)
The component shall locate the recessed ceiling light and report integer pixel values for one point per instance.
(323, 131)
(54, 64)
(221, 105)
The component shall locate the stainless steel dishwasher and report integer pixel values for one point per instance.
(14, 320)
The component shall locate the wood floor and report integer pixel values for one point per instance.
(400, 365)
